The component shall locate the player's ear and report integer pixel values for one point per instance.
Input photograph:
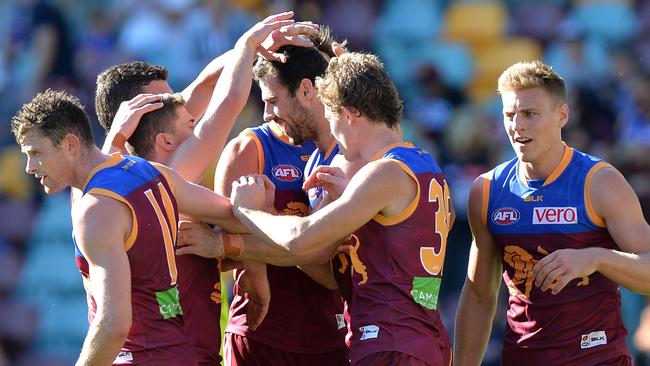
(71, 143)
(165, 141)
(306, 89)
(349, 114)
(564, 114)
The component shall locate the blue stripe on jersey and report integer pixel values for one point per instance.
(559, 207)
(124, 177)
(317, 159)
(283, 163)
(417, 159)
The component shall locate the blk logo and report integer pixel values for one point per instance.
(506, 216)
(286, 173)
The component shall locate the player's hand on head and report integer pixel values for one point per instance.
(285, 31)
(199, 239)
(250, 191)
(128, 115)
(296, 34)
(556, 270)
(332, 179)
(253, 284)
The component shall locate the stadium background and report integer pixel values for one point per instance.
(444, 56)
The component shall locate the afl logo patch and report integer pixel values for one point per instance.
(505, 216)
(286, 173)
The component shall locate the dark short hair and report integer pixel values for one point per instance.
(142, 142)
(359, 82)
(302, 63)
(55, 114)
(120, 83)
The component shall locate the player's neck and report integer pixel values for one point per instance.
(159, 156)
(376, 138)
(324, 139)
(86, 164)
(543, 167)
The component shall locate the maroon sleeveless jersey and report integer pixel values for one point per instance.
(581, 325)
(156, 312)
(303, 316)
(397, 265)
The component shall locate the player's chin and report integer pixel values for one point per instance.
(51, 189)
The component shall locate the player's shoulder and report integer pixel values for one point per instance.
(244, 143)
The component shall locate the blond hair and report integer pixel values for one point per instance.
(359, 82)
(533, 74)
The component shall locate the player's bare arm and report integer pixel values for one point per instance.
(478, 298)
(380, 187)
(616, 203)
(200, 203)
(197, 94)
(103, 247)
(229, 97)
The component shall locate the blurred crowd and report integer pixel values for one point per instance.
(444, 56)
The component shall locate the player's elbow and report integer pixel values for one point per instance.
(297, 246)
(119, 329)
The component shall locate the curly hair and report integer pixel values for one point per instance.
(359, 82)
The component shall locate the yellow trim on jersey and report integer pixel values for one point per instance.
(130, 240)
(169, 209)
(485, 199)
(167, 234)
(330, 149)
(116, 157)
(278, 132)
(408, 211)
(566, 159)
(383, 151)
(260, 151)
(593, 216)
(165, 173)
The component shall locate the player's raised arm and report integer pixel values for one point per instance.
(478, 298)
(109, 275)
(377, 186)
(228, 99)
(617, 207)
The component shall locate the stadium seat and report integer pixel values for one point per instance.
(538, 20)
(49, 269)
(495, 57)
(474, 22)
(53, 223)
(453, 60)
(409, 19)
(613, 22)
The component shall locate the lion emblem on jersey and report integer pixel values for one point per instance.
(357, 264)
(295, 209)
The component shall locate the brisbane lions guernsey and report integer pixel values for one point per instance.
(156, 311)
(302, 316)
(397, 265)
(581, 325)
(340, 263)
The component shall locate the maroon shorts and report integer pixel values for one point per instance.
(241, 351)
(179, 355)
(395, 358)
